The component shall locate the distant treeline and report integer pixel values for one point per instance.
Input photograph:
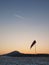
(18, 54)
(27, 55)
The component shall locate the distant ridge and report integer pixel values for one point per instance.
(13, 54)
(18, 54)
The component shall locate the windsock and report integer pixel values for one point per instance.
(33, 43)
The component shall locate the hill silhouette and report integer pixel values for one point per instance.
(18, 54)
(13, 54)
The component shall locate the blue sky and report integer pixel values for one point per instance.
(24, 20)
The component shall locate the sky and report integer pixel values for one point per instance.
(21, 22)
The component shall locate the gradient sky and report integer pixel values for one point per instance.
(22, 21)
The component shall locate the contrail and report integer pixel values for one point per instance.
(33, 43)
(19, 16)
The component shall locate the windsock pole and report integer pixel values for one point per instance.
(35, 48)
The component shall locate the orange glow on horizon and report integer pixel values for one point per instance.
(24, 51)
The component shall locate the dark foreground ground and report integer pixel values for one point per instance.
(6, 60)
